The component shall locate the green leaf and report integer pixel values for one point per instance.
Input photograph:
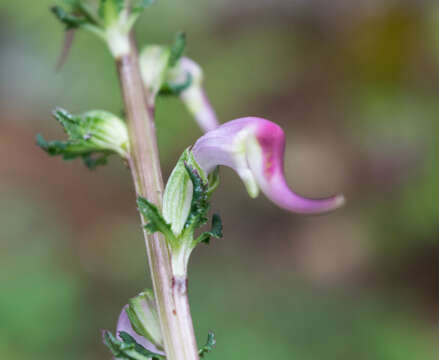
(70, 151)
(121, 350)
(177, 49)
(200, 204)
(156, 221)
(92, 136)
(52, 147)
(208, 347)
(129, 340)
(70, 123)
(176, 89)
(69, 20)
(216, 231)
(128, 348)
(179, 206)
(109, 10)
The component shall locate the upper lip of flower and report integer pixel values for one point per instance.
(254, 147)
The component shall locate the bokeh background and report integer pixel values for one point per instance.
(355, 85)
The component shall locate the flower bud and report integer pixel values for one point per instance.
(105, 131)
(153, 66)
(94, 132)
(142, 312)
(185, 209)
(177, 199)
(162, 73)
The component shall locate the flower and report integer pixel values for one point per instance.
(183, 78)
(194, 96)
(254, 148)
(93, 136)
(123, 324)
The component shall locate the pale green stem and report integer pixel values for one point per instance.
(170, 293)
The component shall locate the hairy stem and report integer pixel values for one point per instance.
(172, 302)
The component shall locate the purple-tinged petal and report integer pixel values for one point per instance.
(265, 158)
(194, 97)
(254, 148)
(123, 324)
(227, 146)
(186, 75)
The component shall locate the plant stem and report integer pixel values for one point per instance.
(171, 297)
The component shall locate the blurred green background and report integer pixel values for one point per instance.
(355, 85)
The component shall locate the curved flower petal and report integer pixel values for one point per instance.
(194, 96)
(185, 78)
(254, 148)
(123, 324)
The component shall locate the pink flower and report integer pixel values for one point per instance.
(254, 148)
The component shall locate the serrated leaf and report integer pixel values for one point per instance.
(130, 341)
(128, 348)
(69, 20)
(52, 147)
(209, 346)
(65, 148)
(92, 136)
(119, 350)
(200, 204)
(70, 123)
(216, 230)
(177, 49)
(155, 219)
(199, 207)
(70, 151)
